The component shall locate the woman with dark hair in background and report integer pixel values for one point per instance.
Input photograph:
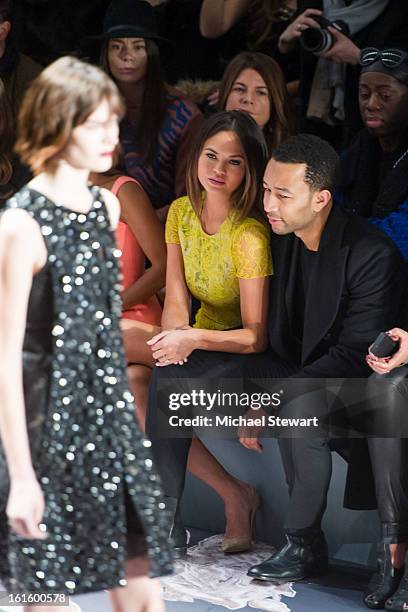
(218, 253)
(253, 82)
(159, 125)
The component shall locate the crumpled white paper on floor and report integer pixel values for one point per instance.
(208, 574)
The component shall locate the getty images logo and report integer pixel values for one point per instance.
(221, 399)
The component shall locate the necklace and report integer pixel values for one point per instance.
(399, 160)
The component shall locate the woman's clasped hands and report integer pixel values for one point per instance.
(384, 365)
(173, 346)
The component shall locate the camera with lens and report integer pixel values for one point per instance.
(320, 40)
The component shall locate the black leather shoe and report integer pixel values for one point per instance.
(385, 582)
(398, 602)
(300, 557)
(178, 535)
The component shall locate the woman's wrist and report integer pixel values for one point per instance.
(196, 336)
(21, 474)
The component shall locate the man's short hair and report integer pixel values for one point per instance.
(320, 158)
(6, 9)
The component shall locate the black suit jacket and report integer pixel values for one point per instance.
(355, 291)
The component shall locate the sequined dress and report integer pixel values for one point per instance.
(103, 496)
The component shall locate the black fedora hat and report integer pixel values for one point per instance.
(129, 19)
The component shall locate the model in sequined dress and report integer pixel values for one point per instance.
(81, 506)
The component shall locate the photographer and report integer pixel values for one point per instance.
(324, 109)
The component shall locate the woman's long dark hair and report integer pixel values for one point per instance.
(247, 198)
(153, 107)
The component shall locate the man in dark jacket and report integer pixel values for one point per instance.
(338, 281)
(374, 169)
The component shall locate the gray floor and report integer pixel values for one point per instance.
(340, 591)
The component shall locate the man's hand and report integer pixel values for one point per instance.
(343, 51)
(249, 435)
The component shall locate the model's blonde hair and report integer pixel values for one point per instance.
(58, 100)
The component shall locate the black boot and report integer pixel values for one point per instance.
(178, 535)
(399, 600)
(384, 582)
(302, 555)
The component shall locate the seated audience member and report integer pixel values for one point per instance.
(159, 125)
(253, 82)
(218, 253)
(321, 250)
(140, 236)
(329, 81)
(16, 70)
(391, 583)
(374, 171)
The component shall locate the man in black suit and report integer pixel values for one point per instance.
(338, 282)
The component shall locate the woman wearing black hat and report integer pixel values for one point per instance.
(159, 125)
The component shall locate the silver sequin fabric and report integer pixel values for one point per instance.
(101, 489)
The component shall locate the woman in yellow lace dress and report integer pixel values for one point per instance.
(219, 254)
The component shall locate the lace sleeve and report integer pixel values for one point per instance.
(251, 250)
(172, 224)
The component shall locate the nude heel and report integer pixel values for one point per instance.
(243, 543)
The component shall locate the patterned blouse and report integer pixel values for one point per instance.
(213, 264)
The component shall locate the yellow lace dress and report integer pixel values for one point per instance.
(213, 264)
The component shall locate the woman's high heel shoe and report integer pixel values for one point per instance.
(243, 543)
(384, 583)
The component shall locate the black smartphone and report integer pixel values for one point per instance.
(384, 346)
